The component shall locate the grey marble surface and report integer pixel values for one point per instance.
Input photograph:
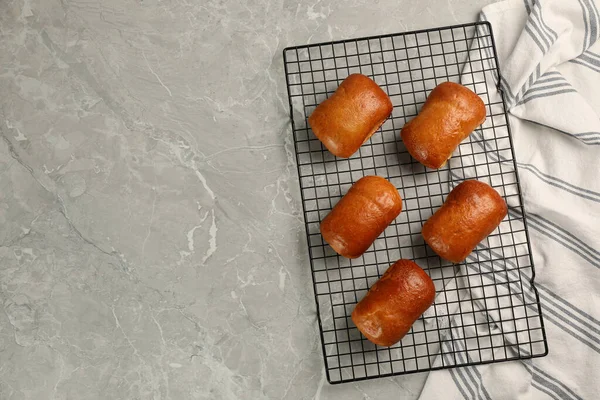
(151, 242)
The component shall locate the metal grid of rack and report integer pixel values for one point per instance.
(486, 308)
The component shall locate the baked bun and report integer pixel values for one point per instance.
(370, 205)
(394, 303)
(351, 115)
(471, 212)
(450, 113)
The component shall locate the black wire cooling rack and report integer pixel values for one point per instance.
(486, 308)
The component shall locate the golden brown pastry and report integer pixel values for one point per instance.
(394, 303)
(471, 212)
(370, 205)
(450, 113)
(351, 115)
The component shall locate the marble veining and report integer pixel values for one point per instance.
(152, 242)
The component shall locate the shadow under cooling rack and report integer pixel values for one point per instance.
(486, 308)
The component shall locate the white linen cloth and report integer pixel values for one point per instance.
(549, 57)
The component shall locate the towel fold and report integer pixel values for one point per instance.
(549, 57)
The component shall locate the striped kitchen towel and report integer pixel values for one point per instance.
(549, 56)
